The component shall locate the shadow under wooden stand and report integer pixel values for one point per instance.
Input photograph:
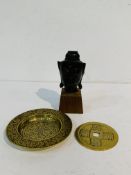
(71, 102)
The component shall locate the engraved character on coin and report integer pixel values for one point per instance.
(71, 71)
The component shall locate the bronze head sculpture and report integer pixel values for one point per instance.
(71, 71)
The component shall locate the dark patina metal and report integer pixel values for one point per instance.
(71, 71)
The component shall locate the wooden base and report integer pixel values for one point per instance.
(71, 102)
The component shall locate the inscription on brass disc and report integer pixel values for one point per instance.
(96, 136)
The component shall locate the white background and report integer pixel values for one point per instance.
(106, 103)
(35, 34)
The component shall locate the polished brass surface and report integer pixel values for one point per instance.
(39, 129)
(96, 136)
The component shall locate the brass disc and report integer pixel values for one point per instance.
(39, 129)
(96, 136)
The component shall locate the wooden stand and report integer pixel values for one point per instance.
(71, 102)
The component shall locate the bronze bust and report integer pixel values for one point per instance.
(71, 71)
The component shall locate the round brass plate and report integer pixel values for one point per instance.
(96, 136)
(39, 129)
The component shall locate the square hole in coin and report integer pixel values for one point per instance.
(96, 134)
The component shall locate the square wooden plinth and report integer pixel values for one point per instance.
(71, 102)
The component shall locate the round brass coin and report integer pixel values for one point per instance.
(39, 129)
(96, 136)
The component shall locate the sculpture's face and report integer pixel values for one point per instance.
(71, 73)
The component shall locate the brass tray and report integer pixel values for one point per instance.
(39, 129)
(96, 136)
